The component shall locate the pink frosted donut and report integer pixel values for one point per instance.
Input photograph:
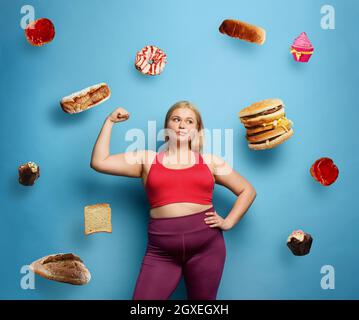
(150, 60)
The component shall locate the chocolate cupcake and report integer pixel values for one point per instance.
(299, 242)
(28, 173)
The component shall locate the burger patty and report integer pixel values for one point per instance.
(263, 113)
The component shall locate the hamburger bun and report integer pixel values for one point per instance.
(262, 112)
(263, 136)
(260, 106)
(242, 30)
(62, 267)
(86, 98)
(271, 142)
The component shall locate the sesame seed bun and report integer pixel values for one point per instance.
(259, 107)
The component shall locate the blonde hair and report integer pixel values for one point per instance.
(198, 142)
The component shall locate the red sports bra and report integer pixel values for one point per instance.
(165, 185)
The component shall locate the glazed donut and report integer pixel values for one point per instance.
(150, 60)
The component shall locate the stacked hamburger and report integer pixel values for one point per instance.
(266, 124)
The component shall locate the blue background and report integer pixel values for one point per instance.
(96, 41)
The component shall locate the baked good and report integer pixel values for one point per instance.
(28, 173)
(270, 141)
(62, 267)
(98, 218)
(150, 60)
(266, 124)
(301, 48)
(244, 31)
(299, 242)
(324, 171)
(262, 112)
(40, 32)
(86, 98)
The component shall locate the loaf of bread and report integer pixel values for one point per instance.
(62, 267)
(98, 218)
(86, 98)
(242, 30)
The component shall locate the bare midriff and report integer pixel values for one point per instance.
(173, 210)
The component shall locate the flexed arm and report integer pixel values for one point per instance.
(123, 164)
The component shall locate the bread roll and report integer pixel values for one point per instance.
(86, 98)
(62, 267)
(260, 106)
(242, 30)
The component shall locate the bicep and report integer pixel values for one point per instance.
(123, 164)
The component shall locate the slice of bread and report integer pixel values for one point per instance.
(98, 218)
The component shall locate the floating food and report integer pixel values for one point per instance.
(40, 32)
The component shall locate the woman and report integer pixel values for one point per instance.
(184, 231)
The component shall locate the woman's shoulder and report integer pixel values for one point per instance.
(211, 158)
(216, 163)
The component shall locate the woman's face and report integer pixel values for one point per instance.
(182, 124)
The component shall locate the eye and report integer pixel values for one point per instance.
(190, 121)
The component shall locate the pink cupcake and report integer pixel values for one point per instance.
(301, 48)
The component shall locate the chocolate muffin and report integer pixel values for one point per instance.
(299, 242)
(28, 173)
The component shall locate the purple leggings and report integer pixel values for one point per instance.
(181, 245)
